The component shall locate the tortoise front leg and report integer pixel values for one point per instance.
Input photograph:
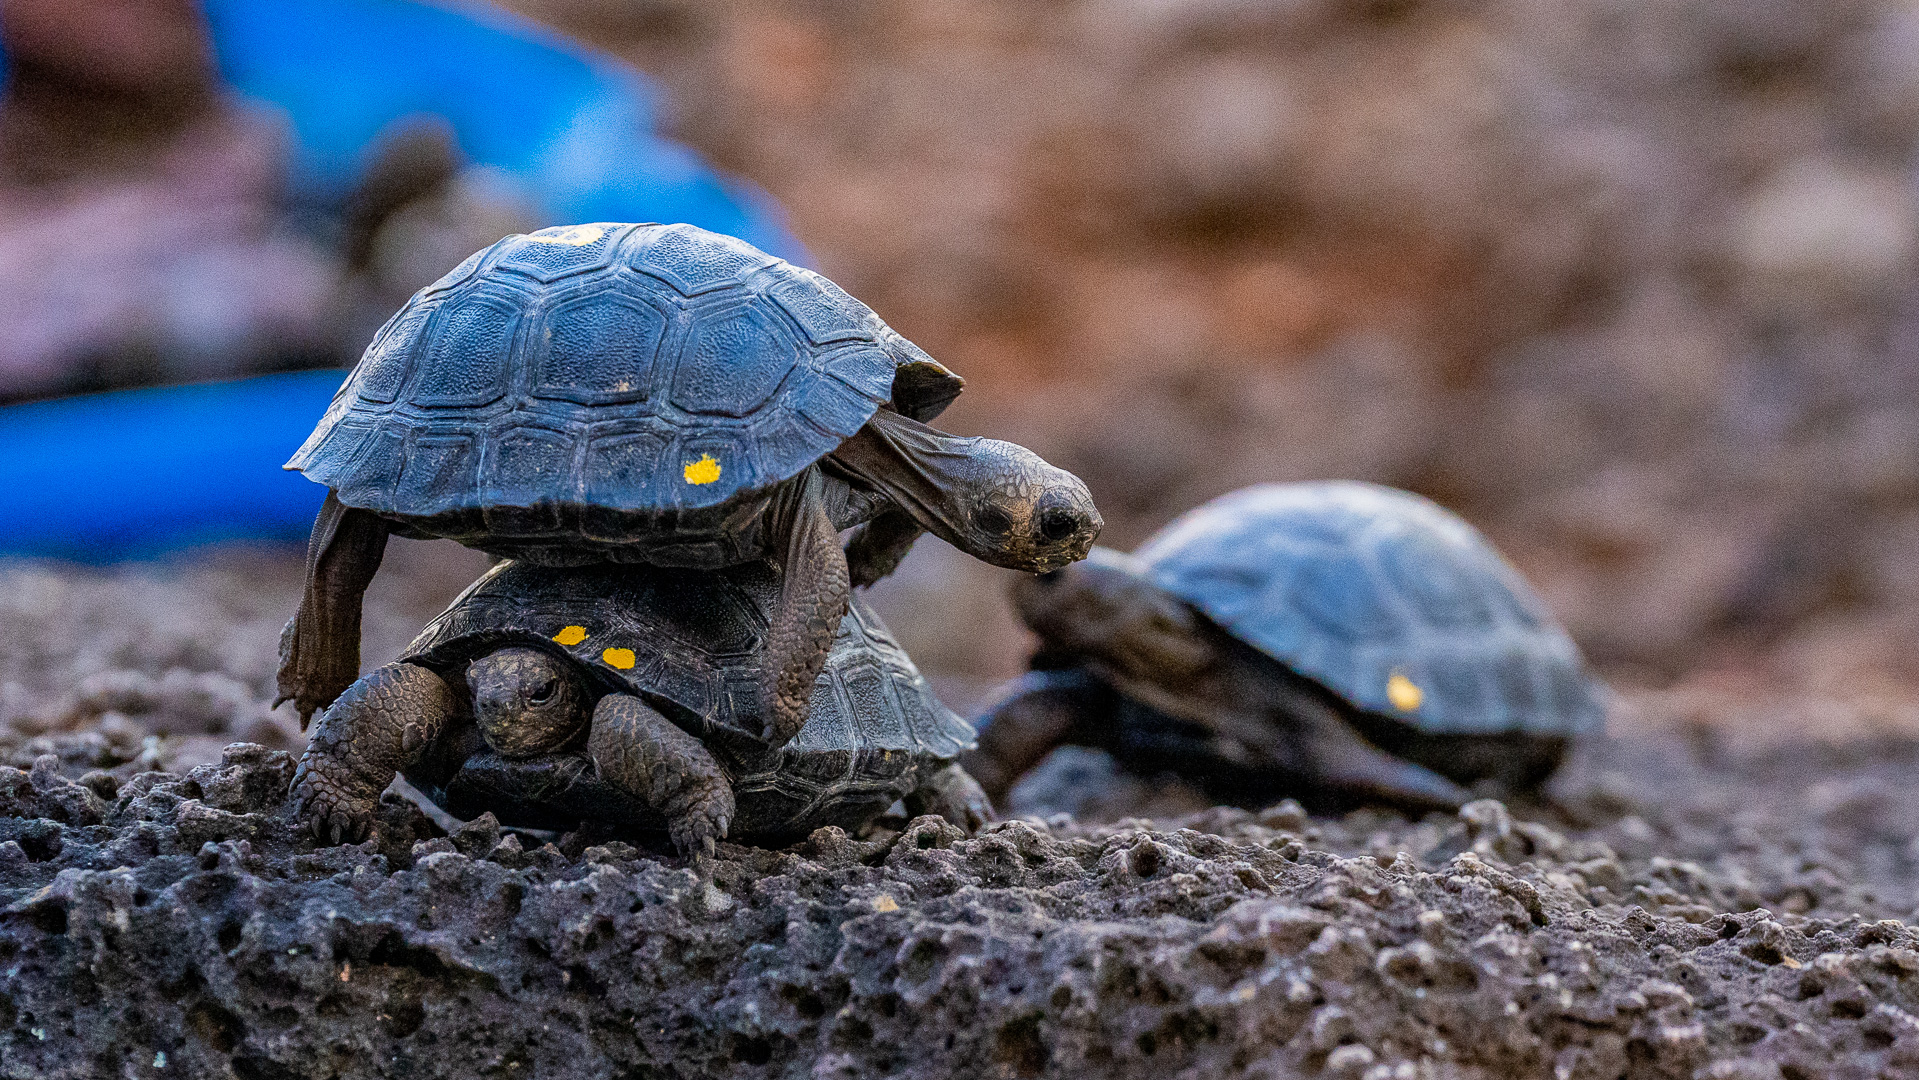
(953, 795)
(1036, 713)
(878, 547)
(320, 647)
(643, 753)
(813, 599)
(384, 723)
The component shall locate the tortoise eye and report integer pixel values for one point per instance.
(1056, 523)
(993, 519)
(542, 695)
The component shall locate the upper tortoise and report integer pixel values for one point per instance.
(1358, 640)
(658, 394)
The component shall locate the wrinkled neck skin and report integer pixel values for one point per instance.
(904, 464)
(996, 501)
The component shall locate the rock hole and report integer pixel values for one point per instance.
(853, 1031)
(1848, 1010)
(229, 935)
(1148, 1043)
(1062, 996)
(751, 1051)
(1145, 860)
(404, 1017)
(888, 1005)
(49, 918)
(221, 1029)
(926, 838)
(41, 846)
(1790, 1071)
(141, 898)
(1019, 1046)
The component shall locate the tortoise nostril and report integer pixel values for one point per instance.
(1057, 524)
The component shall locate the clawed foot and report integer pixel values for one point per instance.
(956, 796)
(698, 829)
(330, 809)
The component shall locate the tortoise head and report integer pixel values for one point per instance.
(526, 701)
(1106, 609)
(997, 501)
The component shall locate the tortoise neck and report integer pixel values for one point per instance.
(912, 465)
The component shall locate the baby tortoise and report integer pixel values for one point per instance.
(629, 695)
(665, 395)
(1344, 638)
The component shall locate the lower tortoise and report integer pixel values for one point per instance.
(1336, 641)
(627, 695)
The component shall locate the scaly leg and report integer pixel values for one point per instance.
(813, 600)
(953, 795)
(878, 547)
(643, 753)
(1037, 712)
(1335, 755)
(320, 647)
(381, 725)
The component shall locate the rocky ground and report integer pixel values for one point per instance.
(1683, 910)
(1711, 892)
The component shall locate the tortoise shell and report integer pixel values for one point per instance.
(688, 643)
(609, 385)
(1390, 601)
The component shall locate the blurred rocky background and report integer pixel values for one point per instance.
(1629, 285)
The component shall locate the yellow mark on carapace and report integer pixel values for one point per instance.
(1403, 693)
(883, 902)
(704, 471)
(571, 635)
(619, 658)
(570, 236)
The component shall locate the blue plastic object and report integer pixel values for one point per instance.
(136, 473)
(574, 126)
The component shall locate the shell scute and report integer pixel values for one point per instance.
(598, 348)
(694, 261)
(734, 358)
(548, 255)
(468, 349)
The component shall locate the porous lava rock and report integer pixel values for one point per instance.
(157, 924)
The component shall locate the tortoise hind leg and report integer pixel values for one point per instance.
(642, 752)
(953, 795)
(813, 597)
(382, 724)
(1338, 757)
(320, 647)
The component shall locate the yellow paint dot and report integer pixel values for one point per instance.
(704, 471)
(883, 902)
(571, 235)
(1403, 693)
(572, 635)
(619, 658)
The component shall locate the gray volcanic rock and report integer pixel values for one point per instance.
(163, 925)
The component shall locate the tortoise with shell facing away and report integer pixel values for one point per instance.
(628, 695)
(1339, 641)
(665, 395)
